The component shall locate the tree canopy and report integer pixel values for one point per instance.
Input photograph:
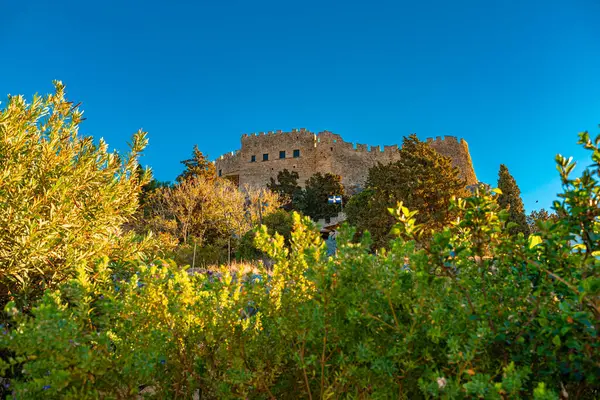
(314, 198)
(422, 179)
(206, 212)
(287, 187)
(510, 199)
(197, 166)
(469, 310)
(537, 218)
(64, 199)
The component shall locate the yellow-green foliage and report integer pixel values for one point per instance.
(206, 216)
(225, 335)
(471, 312)
(63, 199)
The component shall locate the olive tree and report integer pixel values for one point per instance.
(63, 197)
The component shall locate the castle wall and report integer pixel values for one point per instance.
(324, 152)
(258, 172)
(458, 151)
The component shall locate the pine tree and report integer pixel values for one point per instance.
(422, 179)
(197, 166)
(510, 199)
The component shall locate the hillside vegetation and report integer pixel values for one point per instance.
(99, 302)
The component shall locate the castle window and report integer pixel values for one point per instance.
(266, 157)
(253, 158)
(220, 172)
(282, 154)
(331, 148)
(296, 153)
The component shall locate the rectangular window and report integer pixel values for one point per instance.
(296, 153)
(266, 157)
(252, 158)
(282, 154)
(220, 172)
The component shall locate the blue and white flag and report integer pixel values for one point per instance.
(334, 200)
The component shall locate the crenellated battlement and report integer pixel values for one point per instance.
(446, 139)
(230, 155)
(323, 137)
(374, 149)
(269, 135)
(263, 154)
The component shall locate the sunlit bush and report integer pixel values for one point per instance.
(63, 198)
(470, 313)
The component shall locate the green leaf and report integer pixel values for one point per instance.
(556, 341)
(591, 285)
(534, 240)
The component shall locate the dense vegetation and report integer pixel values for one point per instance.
(63, 199)
(467, 309)
(423, 180)
(510, 199)
(312, 199)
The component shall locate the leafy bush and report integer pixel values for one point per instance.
(280, 222)
(207, 214)
(64, 198)
(470, 313)
(164, 328)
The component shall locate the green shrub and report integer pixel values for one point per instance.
(108, 338)
(63, 198)
(471, 313)
(279, 222)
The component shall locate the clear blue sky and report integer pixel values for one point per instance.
(516, 79)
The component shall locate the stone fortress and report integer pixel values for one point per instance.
(263, 155)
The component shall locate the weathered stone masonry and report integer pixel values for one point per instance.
(263, 155)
